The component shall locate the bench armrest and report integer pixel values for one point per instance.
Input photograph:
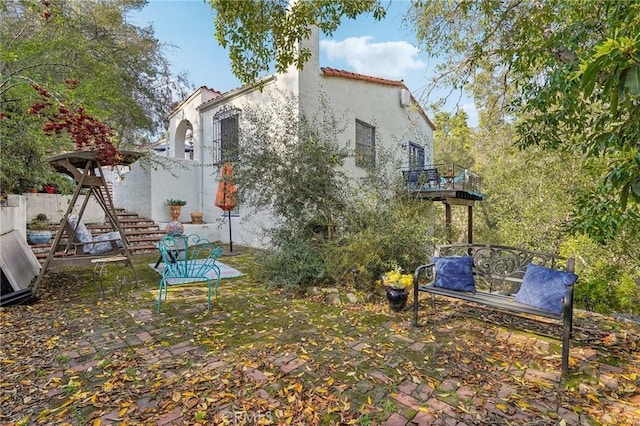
(418, 271)
(416, 278)
(567, 302)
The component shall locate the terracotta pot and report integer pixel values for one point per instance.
(175, 211)
(196, 217)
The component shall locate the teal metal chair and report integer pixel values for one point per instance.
(188, 259)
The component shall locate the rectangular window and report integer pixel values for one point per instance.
(416, 156)
(365, 145)
(225, 136)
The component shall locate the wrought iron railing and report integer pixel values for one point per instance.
(441, 177)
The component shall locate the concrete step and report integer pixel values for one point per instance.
(142, 233)
(137, 227)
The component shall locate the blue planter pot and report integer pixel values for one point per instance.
(38, 237)
(397, 298)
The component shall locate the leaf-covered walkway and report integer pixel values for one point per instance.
(260, 358)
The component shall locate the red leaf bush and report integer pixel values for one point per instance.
(87, 132)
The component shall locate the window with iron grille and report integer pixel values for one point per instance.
(225, 136)
(416, 156)
(365, 145)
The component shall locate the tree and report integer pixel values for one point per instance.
(87, 58)
(453, 141)
(291, 165)
(569, 74)
(530, 192)
(261, 33)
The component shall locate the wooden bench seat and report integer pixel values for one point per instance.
(498, 273)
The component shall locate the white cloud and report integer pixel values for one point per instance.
(390, 59)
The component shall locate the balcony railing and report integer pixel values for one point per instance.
(443, 177)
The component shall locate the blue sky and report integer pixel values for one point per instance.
(378, 48)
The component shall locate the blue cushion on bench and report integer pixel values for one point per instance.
(454, 273)
(103, 244)
(544, 287)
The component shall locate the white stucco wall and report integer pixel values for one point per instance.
(188, 111)
(13, 215)
(21, 209)
(55, 205)
(133, 193)
(394, 125)
(183, 183)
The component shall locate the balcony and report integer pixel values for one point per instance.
(444, 181)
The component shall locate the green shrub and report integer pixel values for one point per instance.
(39, 223)
(381, 236)
(294, 265)
(607, 281)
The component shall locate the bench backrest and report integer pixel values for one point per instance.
(188, 256)
(500, 268)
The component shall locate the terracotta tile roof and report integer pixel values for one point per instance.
(185, 100)
(332, 72)
(210, 89)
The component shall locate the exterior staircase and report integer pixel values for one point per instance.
(142, 233)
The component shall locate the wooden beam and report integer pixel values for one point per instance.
(470, 224)
(447, 213)
(458, 201)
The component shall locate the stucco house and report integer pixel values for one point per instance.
(377, 111)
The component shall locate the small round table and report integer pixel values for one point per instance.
(100, 269)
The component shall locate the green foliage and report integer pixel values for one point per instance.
(382, 234)
(565, 69)
(291, 165)
(454, 139)
(602, 216)
(558, 78)
(609, 292)
(331, 227)
(530, 193)
(295, 263)
(609, 275)
(259, 34)
(39, 223)
(174, 202)
(85, 55)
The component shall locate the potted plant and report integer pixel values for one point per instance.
(397, 285)
(175, 207)
(38, 230)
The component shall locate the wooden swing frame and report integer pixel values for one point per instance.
(86, 170)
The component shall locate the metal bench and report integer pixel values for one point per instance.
(498, 273)
(188, 259)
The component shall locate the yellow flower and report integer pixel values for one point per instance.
(407, 280)
(397, 280)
